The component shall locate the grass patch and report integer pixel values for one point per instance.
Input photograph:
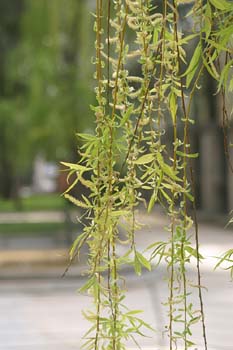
(32, 228)
(51, 201)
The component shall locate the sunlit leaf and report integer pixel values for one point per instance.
(126, 115)
(88, 284)
(193, 252)
(78, 243)
(193, 65)
(77, 167)
(145, 159)
(143, 261)
(188, 155)
(152, 201)
(221, 4)
(173, 106)
(77, 202)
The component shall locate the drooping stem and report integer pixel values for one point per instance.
(198, 262)
(185, 141)
(99, 77)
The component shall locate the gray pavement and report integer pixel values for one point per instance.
(32, 217)
(41, 311)
(46, 314)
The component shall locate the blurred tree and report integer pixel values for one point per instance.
(10, 123)
(45, 87)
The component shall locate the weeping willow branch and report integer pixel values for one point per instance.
(128, 153)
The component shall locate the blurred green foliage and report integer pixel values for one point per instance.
(22, 229)
(45, 83)
(52, 201)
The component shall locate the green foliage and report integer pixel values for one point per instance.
(30, 229)
(128, 153)
(44, 202)
(45, 83)
(226, 261)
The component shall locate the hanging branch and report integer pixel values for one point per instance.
(128, 153)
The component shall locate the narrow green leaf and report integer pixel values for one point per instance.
(86, 137)
(88, 203)
(168, 170)
(77, 167)
(190, 343)
(166, 196)
(85, 182)
(133, 312)
(193, 252)
(225, 75)
(191, 70)
(186, 39)
(77, 243)
(126, 116)
(189, 196)
(222, 5)
(152, 201)
(173, 106)
(225, 257)
(77, 202)
(194, 320)
(208, 20)
(137, 266)
(188, 155)
(143, 261)
(87, 285)
(155, 36)
(220, 47)
(145, 159)
(210, 69)
(71, 186)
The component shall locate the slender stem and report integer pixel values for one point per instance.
(162, 61)
(99, 77)
(196, 221)
(108, 53)
(113, 294)
(183, 239)
(171, 301)
(198, 262)
(191, 96)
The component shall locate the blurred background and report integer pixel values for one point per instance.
(46, 87)
(45, 91)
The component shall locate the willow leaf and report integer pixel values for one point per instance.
(173, 106)
(76, 167)
(87, 137)
(143, 261)
(208, 20)
(137, 266)
(76, 201)
(145, 159)
(188, 155)
(225, 75)
(72, 185)
(193, 252)
(88, 284)
(78, 243)
(193, 65)
(222, 5)
(152, 201)
(126, 116)
(168, 170)
(211, 72)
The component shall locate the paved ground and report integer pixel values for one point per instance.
(46, 314)
(38, 216)
(41, 313)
